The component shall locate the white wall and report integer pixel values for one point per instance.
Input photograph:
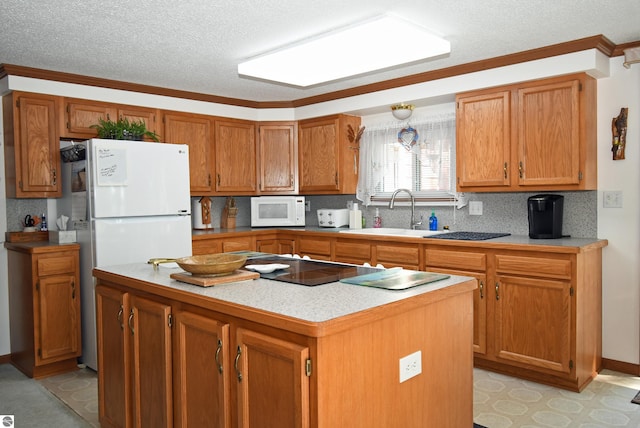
(621, 276)
(621, 226)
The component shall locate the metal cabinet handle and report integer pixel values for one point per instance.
(505, 170)
(481, 287)
(55, 176)
(73, 289)
(130, 320)
(120, 312)
(520, 169)
(497, 291)
(235, 364)
(218, 356)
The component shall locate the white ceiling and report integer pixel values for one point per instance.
(195, 45)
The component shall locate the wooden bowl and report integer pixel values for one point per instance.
(212, 264)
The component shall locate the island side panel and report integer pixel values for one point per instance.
(357, 371)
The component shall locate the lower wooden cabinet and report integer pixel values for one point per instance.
(162, 365)
(537, 315)
(276, 246)
(44, 303)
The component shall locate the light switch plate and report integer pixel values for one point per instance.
(612, 199)
(475, 207)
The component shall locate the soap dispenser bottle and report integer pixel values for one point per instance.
(433, 221)
(377, 220)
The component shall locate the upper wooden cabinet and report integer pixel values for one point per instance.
(327, 163)
(277, 158)
(32, 145)
(80, 115)
(235, 157)
(532, 136)
(195, 131)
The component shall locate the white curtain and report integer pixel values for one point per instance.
(377, 138)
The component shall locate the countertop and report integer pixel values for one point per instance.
(562, 244)
(310, 304)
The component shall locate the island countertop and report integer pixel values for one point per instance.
(312, 309)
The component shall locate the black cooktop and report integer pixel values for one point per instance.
(308, 272)
(469, 236)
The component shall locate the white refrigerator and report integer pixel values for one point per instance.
(128, 201)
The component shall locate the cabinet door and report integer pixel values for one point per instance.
(549, 134)
(276, 246)
(318, 158)
(202, 371)
(195, 131)
(235, 157)
(483, 140)
(33, 166)
(83, 114)
(278, 159)
(239, 243)
(137, 114)
(114, 388)
(272, 381)
(58, 302)
(151, 365)
(533, 322)
(405, 256)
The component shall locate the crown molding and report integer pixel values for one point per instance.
(598, 42)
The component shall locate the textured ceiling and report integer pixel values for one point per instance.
(195, 45)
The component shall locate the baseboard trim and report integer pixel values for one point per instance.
(4, 359)
(621, 366)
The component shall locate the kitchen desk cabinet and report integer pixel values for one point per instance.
(327, 162)
(31, 145)
(195, 131)
(235, 157)
(80, 116)
(533, 136)
(44, 302)
(277, 158)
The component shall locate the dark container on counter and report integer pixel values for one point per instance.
(545, 216)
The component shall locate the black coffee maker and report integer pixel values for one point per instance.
(545, 216)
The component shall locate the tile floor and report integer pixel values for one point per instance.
(499, 401)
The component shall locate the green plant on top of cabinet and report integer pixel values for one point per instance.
(31, 145)
(235, 158)
(533, 136)
(327, 163)
(195, 131)
(81, 116)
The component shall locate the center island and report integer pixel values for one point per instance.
(264, 353)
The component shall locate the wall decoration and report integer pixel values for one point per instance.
(619, 131)
(408, 137)
(354, 139)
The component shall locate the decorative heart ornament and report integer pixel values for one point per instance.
(408, 137)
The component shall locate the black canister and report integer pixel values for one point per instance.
(545, 216)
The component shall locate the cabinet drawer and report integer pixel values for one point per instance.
(456, 259)
(56, 265)
(352, 250)
(397, 254)
(205, 246)
(533, 266)
(315, 246)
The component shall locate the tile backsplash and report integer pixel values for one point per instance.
(502, 212)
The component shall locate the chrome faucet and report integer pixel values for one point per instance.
(413, 206)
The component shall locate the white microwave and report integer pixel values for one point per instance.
(277, 211)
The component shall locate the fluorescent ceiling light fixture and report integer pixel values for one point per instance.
(380, 43)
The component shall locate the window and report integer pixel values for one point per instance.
(419, 157)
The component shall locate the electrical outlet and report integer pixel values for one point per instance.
(410, 366)
(307, 206)
(475, 207)
(612, 199)
(350, 205)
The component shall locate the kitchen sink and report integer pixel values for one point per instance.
(391, 231)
